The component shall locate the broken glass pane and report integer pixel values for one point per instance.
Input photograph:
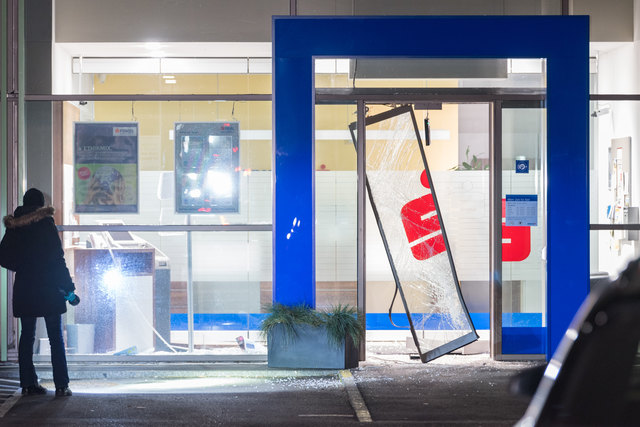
(409, 220)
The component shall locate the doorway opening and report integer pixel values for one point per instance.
(466, 140)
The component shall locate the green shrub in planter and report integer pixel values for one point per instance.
(300, 337)
(342, 321)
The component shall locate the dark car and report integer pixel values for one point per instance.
(594, 376)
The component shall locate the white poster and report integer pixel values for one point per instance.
(521, 210)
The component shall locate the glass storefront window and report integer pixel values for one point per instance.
(611, 253)
(609, 69)
(614, 193)
(157, 123)
(157, 289)
(135, 292)
(336, 207)
(524, 284)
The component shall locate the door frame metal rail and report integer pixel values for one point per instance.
(412, 96)
(495, 230)
(13, 71)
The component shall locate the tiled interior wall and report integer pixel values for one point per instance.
(229, 267)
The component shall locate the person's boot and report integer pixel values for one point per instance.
(63, 391)
(33, 390)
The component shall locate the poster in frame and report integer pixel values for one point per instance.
(106, 176)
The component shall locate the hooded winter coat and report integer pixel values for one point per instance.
(31, 247)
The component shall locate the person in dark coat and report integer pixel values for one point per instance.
(31, 247)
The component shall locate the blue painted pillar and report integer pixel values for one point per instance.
(293, 181)
(567, 183)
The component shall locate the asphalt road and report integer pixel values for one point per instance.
(452, 390)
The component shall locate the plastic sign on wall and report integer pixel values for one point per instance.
(207, 167)
(522, 166)
(521, 210)
(516, 241)
(106, 167)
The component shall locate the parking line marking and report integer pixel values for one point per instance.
(8, 404)
(355, 398)
(326, 415)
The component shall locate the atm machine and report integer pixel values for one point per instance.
(126, 281)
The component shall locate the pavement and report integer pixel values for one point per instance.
(391, 390)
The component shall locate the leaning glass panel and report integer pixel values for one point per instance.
(404, 204)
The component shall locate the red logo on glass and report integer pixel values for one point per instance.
(422, 226)
(424, 232)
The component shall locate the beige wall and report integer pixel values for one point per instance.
(250, 20)
(157, 119)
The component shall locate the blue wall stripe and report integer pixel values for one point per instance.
(375, 321)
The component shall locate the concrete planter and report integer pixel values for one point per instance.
(310, 349)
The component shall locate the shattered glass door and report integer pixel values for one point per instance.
(405, 206)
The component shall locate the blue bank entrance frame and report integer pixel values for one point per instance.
(562, 40)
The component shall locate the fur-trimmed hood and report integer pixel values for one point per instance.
(16, 220)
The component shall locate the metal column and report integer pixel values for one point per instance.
(10, 152)
(495, 232)
(362, 206)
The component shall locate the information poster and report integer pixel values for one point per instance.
(106, 167)
(521, 210)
